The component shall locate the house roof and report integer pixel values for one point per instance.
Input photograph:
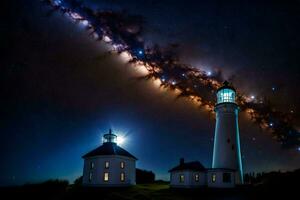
(194, 166)
(109, 148)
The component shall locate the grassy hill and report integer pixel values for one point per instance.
(274, 185)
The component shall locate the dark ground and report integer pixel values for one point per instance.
(144, 192)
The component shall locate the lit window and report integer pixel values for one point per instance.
(226, 177)
(197, 177)
(181, 178)
(106, 176)
(92, 165)
(106, 164)
(122, 176)
(213, 178)
(90, 176)
(122, 165)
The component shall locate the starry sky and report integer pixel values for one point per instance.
(61, 90)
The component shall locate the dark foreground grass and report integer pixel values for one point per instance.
(155, 191)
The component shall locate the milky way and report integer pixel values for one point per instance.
(124, 33)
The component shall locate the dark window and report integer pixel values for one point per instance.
(232, 147)
(92, 165)
(90, 176)
(226, 177)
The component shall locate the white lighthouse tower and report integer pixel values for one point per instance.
(227, 153)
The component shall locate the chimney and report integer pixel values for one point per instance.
(181, 161)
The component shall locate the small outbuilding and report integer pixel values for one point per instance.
(188, 175)
(194, 174)
(109, 165)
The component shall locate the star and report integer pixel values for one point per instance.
(273, 88)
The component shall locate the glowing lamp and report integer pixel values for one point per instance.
(209, 73)
(226, 94)
(113, 138)
(120, 140)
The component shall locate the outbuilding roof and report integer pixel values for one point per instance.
(109, 148)
(193, 166)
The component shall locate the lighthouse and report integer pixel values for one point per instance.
(227, 152)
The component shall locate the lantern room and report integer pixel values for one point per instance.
(110, 137)
(226, 94)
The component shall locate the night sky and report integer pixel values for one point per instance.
(62, 90)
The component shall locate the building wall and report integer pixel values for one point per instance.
(189, 179)
(114, 171)
(226, 152)
(219, 183)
